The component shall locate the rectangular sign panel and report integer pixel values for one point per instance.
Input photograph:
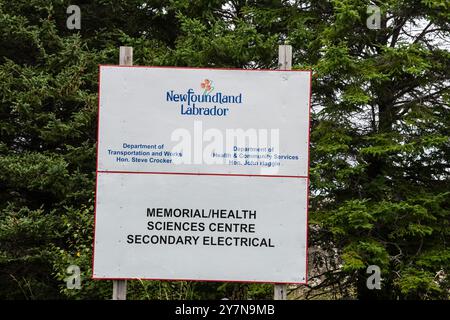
(202, 174)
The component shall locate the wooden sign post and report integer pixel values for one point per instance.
(120, 286)
(284, 63)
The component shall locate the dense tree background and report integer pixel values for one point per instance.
(379, 142)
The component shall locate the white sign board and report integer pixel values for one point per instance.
(202, 174)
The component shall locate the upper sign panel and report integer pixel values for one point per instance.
(175, 120)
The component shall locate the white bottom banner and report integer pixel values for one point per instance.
(198, 227)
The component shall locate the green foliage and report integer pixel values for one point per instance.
(380, 149)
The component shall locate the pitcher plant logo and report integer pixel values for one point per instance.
(207, 86)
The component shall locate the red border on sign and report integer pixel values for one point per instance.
(203, 174)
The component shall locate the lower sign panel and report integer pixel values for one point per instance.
(190, 227)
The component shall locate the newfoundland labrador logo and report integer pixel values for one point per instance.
(205, 103)
(207, 85)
